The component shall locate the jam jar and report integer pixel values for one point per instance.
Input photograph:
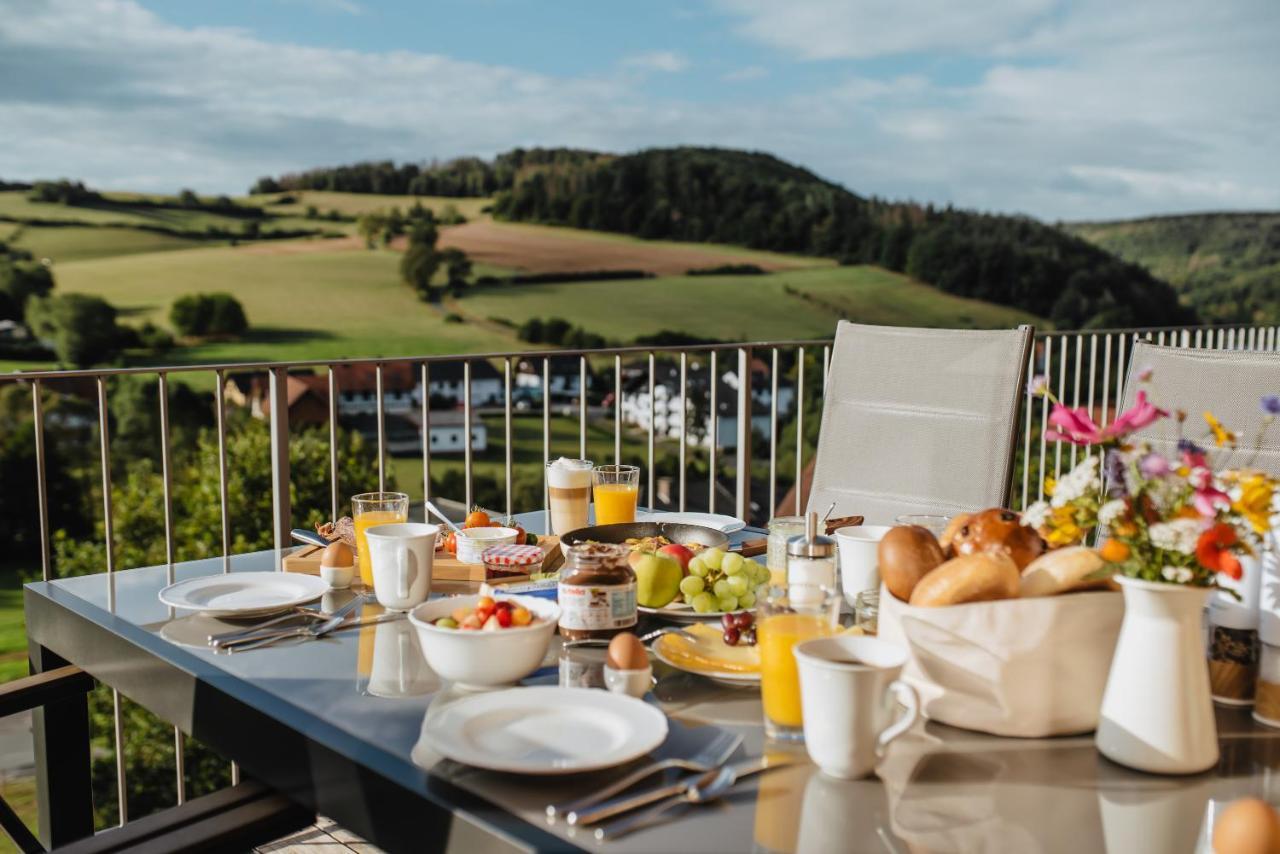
(597, 592)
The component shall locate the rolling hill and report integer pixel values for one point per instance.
(1227, 265)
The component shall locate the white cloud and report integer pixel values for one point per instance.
(1096, 111)
(657, 60)
(742, 75)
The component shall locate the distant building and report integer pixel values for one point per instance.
(446, 382)
(564, 379)
(12, 330)
(404, 432)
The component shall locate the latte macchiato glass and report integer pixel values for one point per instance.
(569, 494)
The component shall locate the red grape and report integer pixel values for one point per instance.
(731, 636)
(728, 622)
(742, 620)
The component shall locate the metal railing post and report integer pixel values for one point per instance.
(281, 513)
(743, 492)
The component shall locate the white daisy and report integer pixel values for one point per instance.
(1176, 574)
(1036, 515)
(1080, 480)
(1110, 511)
(1179, 535)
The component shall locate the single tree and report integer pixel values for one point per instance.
(81, 329)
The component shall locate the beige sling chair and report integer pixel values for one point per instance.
(919, 420)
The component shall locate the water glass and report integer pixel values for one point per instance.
(375, 508)
(785, 617)
(781, 529)
(935, 524)
(616, 489)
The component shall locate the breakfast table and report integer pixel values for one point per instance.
(306, 719)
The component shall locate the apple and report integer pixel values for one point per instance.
(657, 580)
(680, 553)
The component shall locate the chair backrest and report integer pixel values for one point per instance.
(1228, 383)
(919, 420)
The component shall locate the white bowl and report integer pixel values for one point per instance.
(859, 564)
(473, 541)
(480, 659)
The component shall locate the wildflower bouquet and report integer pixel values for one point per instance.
(1160, 519)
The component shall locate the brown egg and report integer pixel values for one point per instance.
(998, 530)
(1248, 826)
(337, 554)
(627, 653)
(907, 554)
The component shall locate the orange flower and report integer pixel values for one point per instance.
(1124, 528)
(1213, 551)
(1114, 551)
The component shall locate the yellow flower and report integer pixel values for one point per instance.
(1221, 435)
(1062, 529)
(1254, 503)
(1049, 483)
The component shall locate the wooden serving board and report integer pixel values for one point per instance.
(445, 567)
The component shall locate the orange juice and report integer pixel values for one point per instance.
(779, 678)
(364, 522)
(615, 502)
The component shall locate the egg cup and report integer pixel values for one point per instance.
(338, 577)
(633, 683)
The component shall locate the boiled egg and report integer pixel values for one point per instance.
(1248, 826)
(337, 553)
(627, 653)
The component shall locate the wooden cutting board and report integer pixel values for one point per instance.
(445, 567)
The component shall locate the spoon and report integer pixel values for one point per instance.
(435, 511)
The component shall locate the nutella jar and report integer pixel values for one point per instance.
(597, 592)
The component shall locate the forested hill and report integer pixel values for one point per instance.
(1226, 265)
(756, 200)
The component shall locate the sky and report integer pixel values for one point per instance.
(1061, 109)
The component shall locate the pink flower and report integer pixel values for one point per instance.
(1153, 466)
(1076, 425)
(1143, 413)
(1210, 500)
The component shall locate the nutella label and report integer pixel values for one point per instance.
(592, 608)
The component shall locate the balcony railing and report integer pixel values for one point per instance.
(1086, 368)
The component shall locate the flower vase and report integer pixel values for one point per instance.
(1157, 715)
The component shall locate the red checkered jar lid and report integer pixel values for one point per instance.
(512, 555)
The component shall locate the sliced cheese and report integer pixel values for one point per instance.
(709, 653)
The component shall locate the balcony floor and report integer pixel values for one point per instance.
(323, 837)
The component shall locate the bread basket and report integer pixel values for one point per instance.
(1028, 668)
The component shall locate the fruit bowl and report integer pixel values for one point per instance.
(484, 659)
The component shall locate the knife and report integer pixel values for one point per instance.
(307, 632)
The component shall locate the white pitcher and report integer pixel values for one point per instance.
(1157, 715)
(401, 555)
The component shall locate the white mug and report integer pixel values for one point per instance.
(851, 683)
(858, 546)
(401, 556)
(399, 669)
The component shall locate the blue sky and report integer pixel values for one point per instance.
(1064, 109)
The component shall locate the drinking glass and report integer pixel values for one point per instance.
(935, 524)
(568, 494)
(616, 490)
(785, 617)
(375, 508)
(781, 529)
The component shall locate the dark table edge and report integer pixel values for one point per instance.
(95, 640)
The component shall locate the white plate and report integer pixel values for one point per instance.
(682, 613)
(244, 594)
(545, 730)
(722, 523)
(729, 676)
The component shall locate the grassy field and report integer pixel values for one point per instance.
(13, 632)
(353, 204)
(14, 203)
(76, 243)
(741, 308)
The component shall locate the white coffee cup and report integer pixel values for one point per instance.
(401, 556)
(399, 670)
(851, 683)
(859, 565)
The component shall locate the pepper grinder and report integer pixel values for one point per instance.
(811, 558)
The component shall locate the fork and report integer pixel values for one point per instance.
(710, 756)
(291, 614)
(242, 639)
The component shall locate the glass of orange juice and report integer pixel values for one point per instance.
(785, 617)
(616, 489)
(375, 508)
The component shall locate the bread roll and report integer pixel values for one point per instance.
(1063, 570)
(948, 537)
(998, 530)
(969, 578)
(905, 555)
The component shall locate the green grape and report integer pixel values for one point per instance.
(722, 589)
(732, 564)
(728, 603)
(697, 567)
(690, 586)
(738, 584)
(760, 574)
(704, 603)
(747, 600)
(712, 558)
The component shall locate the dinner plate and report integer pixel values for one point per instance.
(730, 676)
(545, 730)
(244, 594)
(720, 522)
